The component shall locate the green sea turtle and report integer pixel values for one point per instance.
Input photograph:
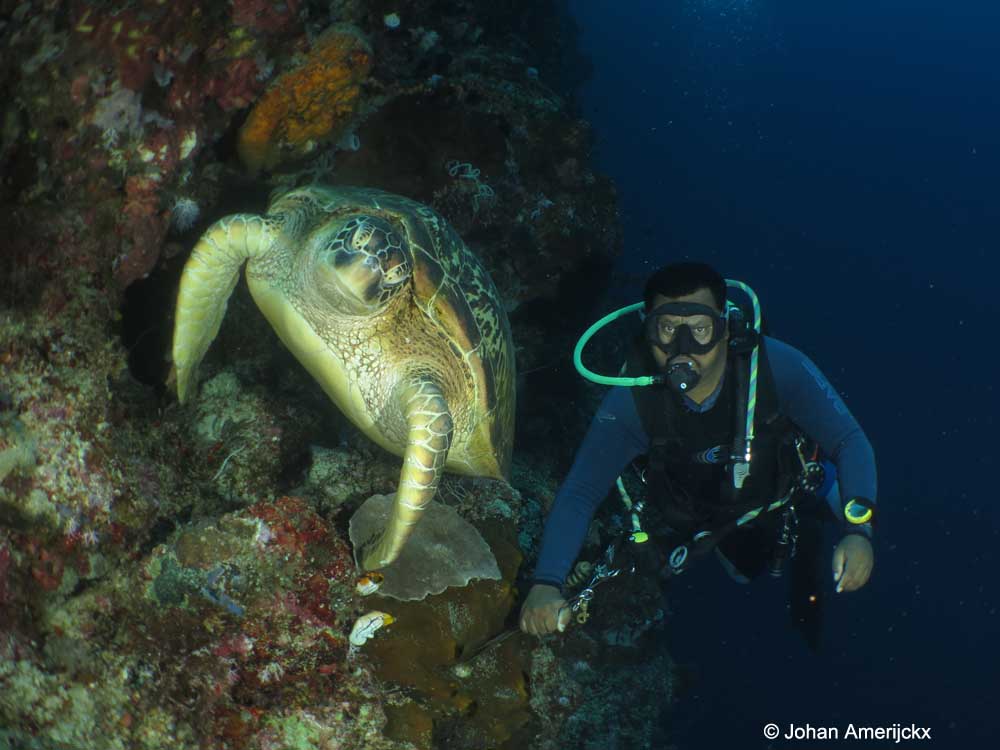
(384, 305)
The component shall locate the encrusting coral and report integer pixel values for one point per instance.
(309, 104)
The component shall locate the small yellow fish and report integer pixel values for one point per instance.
(369, 583)
(366, 626)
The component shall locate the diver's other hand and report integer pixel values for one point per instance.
(544, 611)
(853, 560)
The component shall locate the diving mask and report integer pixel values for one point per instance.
(702, 328)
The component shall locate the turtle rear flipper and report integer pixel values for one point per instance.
(209, 277)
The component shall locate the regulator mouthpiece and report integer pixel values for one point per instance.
(682, 376)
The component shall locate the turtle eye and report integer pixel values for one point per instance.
(397, 274)
(361, 231)
(368, 260)
(368, 234)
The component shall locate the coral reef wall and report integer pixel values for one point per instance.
(179, 576)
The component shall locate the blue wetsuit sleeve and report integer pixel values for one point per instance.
(806, 397)
(615, 438)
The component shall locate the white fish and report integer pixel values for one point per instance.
(367, 625)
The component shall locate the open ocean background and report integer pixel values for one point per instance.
(842, 158)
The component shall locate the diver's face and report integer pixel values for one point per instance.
(708, 365)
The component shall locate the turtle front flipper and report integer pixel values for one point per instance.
(206, 283)
(430, 429)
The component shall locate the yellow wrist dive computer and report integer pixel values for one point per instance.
(859, 510)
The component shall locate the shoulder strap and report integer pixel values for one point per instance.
(767, 392)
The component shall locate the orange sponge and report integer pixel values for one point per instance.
(308, 104)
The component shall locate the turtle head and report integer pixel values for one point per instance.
(363, 265)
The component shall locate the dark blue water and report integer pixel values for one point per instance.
(843, 159)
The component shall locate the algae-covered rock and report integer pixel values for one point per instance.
(478, 703)
(444, 550)
(232, 634)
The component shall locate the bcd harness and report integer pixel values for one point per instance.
(783, 468)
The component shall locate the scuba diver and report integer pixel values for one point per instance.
(748, 451)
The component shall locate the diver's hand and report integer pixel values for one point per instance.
(853, 560)
(544, 611)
